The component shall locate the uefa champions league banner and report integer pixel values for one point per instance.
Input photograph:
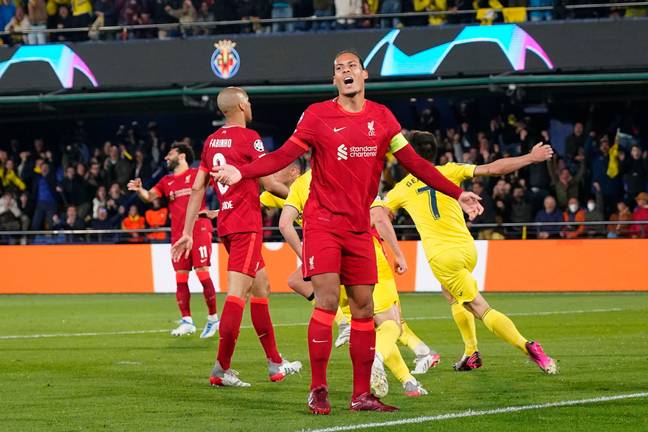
(410, 53)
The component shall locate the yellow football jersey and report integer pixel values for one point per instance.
(269, 200)
(299, 194)
(438, 218)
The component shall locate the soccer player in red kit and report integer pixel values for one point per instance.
(177, 188)
(349, 137)
(239, 228)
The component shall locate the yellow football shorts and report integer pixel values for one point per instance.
(453, 266)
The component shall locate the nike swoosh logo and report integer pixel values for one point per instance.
(354, 404)
(318, 341)
(339, 129)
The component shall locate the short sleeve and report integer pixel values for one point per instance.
(268, 200)
(256, 148)
(394, 199)
(160, 188)
(304, 134)
(457, 173)
(299, 191)
(377, 202)
(205, 163)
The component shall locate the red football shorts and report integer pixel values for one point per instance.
(350, 254)
(244, 251)
(200, 255)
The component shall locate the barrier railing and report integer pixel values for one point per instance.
(526, 230)
(182, 28)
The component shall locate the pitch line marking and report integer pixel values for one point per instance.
(478, 413)
(137, 332)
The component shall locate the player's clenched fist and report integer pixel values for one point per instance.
(182, 248)
(226, 174)
(541, 152)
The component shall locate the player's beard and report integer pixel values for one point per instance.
(172, 164)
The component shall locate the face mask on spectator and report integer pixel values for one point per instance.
(573, 208)
(591, 206)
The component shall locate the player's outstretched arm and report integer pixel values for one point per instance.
(539, 153)
(271, 163)
(135, 185)
(184, 244)
(386, 230)
(275, 187)
(287, 228)
(428, 174)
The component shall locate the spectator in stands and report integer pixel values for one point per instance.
(142, 168)
(185, 15)
(72, 220)
(574, 213)
(116, 199)
(45, 198)
(204, 14)
(599, 160)
(94, 176)
(547, 215)
(575, 141)
(25, 206)
(106, 11)
(9, 180)
(225, 10)
(595, 213)
(63, 20)
(157, 217)
(564, 185)
(117, 167)
(634, 170)
(99, 201)
(624, 214)
(102, 222)
(640, 213)
(345, 10)
(18, 24)
(10, 214)
(7, 12)
(75, 192)
(322, 8)
(432, 6)
(133, 222)
(282, 9)
(82, 16)
(488, 216)
(520, 208)
(390, 7)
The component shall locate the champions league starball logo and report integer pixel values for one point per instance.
(225, 61)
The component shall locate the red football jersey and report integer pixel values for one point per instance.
(240, 209)
(347, 160)
(177, 189)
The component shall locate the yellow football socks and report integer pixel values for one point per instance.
(410, 340)
(387, 335)
(503, 328)
(466, 323)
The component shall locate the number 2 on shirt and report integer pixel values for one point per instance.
(219, 160)
(434, 207)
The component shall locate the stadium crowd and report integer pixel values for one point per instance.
(19, 15)
(601, 173)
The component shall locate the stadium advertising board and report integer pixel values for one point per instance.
(509, 266)
(412, 53)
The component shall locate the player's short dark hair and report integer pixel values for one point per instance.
(184, 149)
(425, 144)
(353, 52)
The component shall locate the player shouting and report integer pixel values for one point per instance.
(349, 137)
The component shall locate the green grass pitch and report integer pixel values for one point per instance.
(106, 381)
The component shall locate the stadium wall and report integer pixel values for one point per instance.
(506, 266)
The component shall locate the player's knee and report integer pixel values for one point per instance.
(294, 281)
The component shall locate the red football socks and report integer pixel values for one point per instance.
(320, 343)
(230, 326)
(262, 323)
(209, 292)
(362, 348)
(183, 296)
